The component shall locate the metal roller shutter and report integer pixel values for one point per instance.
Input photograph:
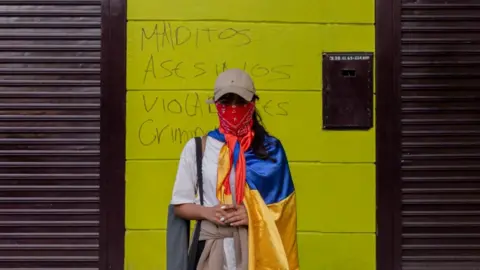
(49, 134)
(440, 84)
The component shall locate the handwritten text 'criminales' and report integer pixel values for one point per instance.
(171, 36)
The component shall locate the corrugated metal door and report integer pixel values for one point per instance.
(49, 133)
(440, 84)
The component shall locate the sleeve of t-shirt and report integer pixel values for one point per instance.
(184, 189)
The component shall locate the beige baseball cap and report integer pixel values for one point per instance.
(235, 81)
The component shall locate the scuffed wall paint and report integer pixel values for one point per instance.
(175, 51)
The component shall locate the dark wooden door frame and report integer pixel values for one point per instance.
(388, 133)
(112, 138)
(112, 142)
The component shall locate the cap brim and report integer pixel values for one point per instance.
(242, 92)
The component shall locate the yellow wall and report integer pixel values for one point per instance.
(175, 51)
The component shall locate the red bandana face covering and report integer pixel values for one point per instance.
(236, 120)
(236, 125)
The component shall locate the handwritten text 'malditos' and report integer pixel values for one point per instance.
(171, 36)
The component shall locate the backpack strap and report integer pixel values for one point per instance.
(200, 143)
(204, 143)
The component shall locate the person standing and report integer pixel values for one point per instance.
(248, 217)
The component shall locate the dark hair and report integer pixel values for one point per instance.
(258, 143)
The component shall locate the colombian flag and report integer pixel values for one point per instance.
(271, 205)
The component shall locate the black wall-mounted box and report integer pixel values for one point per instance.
(348, 91)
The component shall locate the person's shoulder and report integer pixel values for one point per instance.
(190, 143)
(189, 148)
(272, 143)
(270, 139)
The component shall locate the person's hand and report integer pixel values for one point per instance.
(237, 217)
(217, 214)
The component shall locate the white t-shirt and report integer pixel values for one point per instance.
(185, 187)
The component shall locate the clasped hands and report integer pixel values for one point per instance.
(227, 214)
